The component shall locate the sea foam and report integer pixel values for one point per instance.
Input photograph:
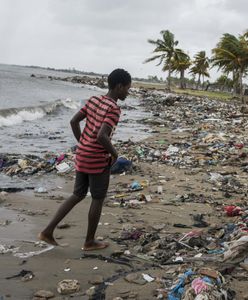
(19, 117)
(14, 116)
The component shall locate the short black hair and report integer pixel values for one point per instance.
(118, 76)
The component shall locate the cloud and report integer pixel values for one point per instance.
(95, 35)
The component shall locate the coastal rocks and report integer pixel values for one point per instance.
(44, 294)
(68, 286)
(99, 82)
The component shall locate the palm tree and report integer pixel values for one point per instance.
(224, 83)
(165, 50)
(200, 66)
(231, 55)
(180, 63)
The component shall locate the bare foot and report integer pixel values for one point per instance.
(94, 245)
(48, 239)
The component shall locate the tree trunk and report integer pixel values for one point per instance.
(207, 86)
(241, 86)
(198, 82)
(182, 80)
(236, 89)
(169, 76)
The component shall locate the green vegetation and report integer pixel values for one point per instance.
(180, 63)
(230, 56)
(200, 66)
(208, 94)
(166, 51)
(160, 86)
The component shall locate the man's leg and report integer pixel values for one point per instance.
(98, 186)
(47, 234)
(93, 220)
(80, 191)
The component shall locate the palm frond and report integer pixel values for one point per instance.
(152, 58)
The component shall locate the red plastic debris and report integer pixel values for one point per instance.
(239, 145)
(232, 210)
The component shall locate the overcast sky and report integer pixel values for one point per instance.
(100, 35)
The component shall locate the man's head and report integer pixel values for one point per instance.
(119, 81)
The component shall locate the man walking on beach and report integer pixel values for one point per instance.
(95, 155)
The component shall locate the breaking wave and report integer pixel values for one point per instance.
(13, 116)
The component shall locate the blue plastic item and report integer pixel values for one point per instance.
(178, 290)
(207, 279)
(135, 185)
(216, 251)
(121, 165)
(52, 161)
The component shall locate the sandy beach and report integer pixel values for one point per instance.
(173, 196)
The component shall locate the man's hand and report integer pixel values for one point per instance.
(113, 160)
(75, 126)
(103, 138)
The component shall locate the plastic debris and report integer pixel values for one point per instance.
(63, 168)
(41, 190)
(232, 210)
(148, 278)
(199, 285)
(121, 165)
(237, 249)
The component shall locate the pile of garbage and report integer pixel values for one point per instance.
(204, 257)
(188, 154)
(199, 284)
(184, 284)
(205, 132)
(219, 243)
(26, 164)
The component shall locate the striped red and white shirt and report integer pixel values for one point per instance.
(91, 157)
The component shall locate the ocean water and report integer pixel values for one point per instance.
(35, 111)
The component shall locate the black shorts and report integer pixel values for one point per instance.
(98, 184)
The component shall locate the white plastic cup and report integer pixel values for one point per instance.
(160, 189)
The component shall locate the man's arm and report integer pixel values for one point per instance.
(103, 139)
(75, 124)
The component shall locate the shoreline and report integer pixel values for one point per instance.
(186, 190)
